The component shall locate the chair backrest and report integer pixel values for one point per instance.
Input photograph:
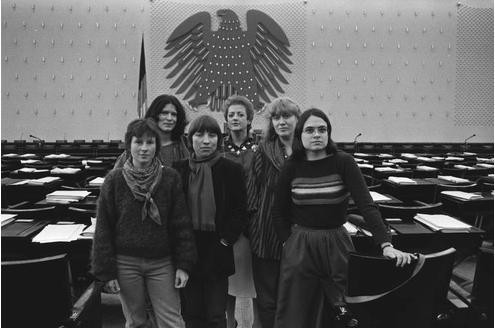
(36, 292)
(412, 301)
(80, 215)
(40, 213)
(408, 212)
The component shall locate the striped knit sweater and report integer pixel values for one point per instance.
(315, 194)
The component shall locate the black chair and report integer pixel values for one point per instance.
(36, 292)
(407, 212)
(80, 215)
(37, 213)
(382, 295)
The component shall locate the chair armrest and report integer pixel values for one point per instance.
(19, 205)
(86, 312)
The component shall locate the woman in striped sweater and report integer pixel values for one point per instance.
(309, 211)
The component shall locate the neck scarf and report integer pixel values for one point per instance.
(200, 195)
(143, 183)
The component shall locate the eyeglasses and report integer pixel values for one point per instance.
(311, 130)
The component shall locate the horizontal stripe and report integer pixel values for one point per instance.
(326, 178)
(327, 190)
(321, 201)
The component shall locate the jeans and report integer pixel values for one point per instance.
(136, 275)
(266, 274)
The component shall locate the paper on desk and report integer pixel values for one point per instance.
(408, 155)
(484, 160)
(96, 181)
(453, 158)
(388, 164)
(462, 194)
(426, 168)
(27, 155)
(377, 196)
(453, 179)
(438, 158)
(488, 166)
(59, 233)
(65, 170)
(387, 169)
(11, 155)
(401, 180)
(42, 181)
(441, 221)
(30, 161)
(397, 160)
(385, 155)
(57, 156)
(425, 159)
(89, 232)
(351, 228)
(463, 167)
(365, 166)
(7, 218)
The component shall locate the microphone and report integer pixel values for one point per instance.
(355, 142)
(35, 137)
(465, 141)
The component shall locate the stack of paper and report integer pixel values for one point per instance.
(30, 161)
(453, 179)
(479, 159)
(387, 169)
(378, 197)
(385, 155)
(365, 166)
(28, 155)
(59, 233)
(42, 181)
(426, 168)
(388, 164)
(65, 170)
(351, 228)
(462, 194)
(32, 170)
(441, 222)
(438, 158)
(425, 159)
(469, 154)
(66, 196)
(96, 182)
(488, 166)
(464, 167)
(7, 218)
(52, 156)
(397, 160)
(89, 232)
(453, 158)
(360, 160)
(401, 180)
(361, 154)
(11, 155)
(408, 155)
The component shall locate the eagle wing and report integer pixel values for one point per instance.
(187, 48)
(269, 51)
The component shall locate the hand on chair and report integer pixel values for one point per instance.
(402, 258)
(111, 287)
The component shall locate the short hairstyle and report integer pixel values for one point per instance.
(280, 106)
(298, 150)
(239, 100)
(201, 124)
(142, 127)
(156, 108)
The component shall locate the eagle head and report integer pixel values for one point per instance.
(227, 17)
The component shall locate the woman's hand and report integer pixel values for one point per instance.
(181, 278)
(402, 257)
(111, 287)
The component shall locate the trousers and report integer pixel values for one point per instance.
(136, 276)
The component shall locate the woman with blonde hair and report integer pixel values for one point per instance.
(275, 148)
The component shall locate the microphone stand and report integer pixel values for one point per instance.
(356, 143)
(466, 140)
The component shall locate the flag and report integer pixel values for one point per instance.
(142, 93)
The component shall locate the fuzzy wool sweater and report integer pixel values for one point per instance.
(120, 229)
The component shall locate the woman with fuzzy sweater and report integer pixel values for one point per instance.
(144, 240)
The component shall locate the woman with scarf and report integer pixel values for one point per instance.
(216, 196)
(283, 114)
(144, 242)
(170, 117)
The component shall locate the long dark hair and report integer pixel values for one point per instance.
(156, 107)
(298, 150)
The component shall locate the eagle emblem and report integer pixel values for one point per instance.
(209, 66)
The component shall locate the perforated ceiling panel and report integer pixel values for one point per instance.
(474, 69)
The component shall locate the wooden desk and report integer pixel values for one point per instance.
(25, 192)
(88, 202)
(469, 209)
(422, 190)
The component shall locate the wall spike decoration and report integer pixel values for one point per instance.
(260, 54)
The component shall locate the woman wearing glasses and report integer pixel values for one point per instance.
(170, 117)
(310, 209)
(268, 160)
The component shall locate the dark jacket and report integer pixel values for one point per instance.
(215, 259)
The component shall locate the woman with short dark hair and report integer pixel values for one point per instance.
(144, 244)
(216, 197)
(309, 211)
(170, 118)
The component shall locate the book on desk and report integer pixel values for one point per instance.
(442, 222)
(22, 228)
